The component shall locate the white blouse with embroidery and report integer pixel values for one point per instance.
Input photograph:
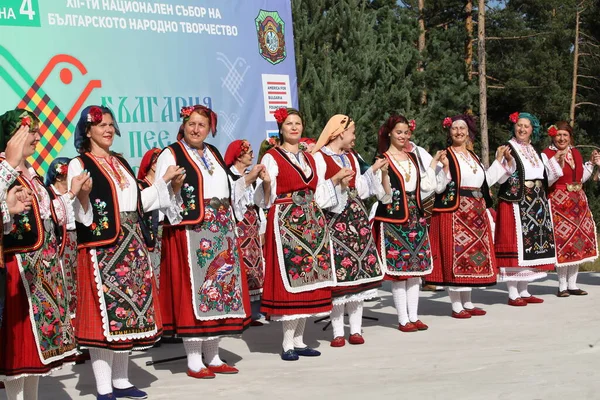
(555, 172)
(154, 197)
(213, 185)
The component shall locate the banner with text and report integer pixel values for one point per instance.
(145, 60)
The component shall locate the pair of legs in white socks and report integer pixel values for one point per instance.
(194, 349)
(22, 388)
(111, 369)
(355, 310)
(406, 300)
(567, 279)
(462, 306)
(293, 334)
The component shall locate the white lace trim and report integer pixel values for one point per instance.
(520, 249)
(357, 297)
(282, 318)
(282, 271)
(520, 275)
(103, 313)
(384, 257)
(6, 378)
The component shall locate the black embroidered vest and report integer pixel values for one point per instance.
(449, 199)
(396, 212)
(513, 189)
(27, 232)
(192, 191)
(106, 224)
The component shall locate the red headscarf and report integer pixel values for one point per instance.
(149, 158)
(235, 150)
(202, 110)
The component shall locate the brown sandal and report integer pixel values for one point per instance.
(563, 293)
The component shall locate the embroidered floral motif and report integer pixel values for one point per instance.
(20, 227)
(102, 224)
(449, 194)
(189, 199)
(217, 286)
(394, 205)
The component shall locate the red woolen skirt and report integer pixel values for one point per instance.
(88, 324)
(176, 293)
(18, 349)
(479, 262)
(506, 239)
(276, 300)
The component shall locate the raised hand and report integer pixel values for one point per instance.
(254, 173)
(172, 172)
(77, 182)
(342, 173)
(380, 163)
(14, 147)
(18, 200)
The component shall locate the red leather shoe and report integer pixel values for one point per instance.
(410, 327)
(338, 342)
(461, 315)
(420, 325)
(223, 369)
(204, 373)
(533, 300)
(476, 311)
(518, 302)
(356, 338)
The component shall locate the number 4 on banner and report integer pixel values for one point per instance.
(27, 9)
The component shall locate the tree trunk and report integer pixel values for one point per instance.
(575, 67)
(482, 85)
(421, 45)
(469, 42)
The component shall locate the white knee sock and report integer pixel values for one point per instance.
(102, 361)
(299, 334)
(513, 292)
(455, 300)
(399, 295)
(572, 277)
(562, 273)
(465, 298)
(193, 350)
(211, 352)
(120, 371)
(412, 298)
(15, 389)
(355, 312)
(289, 329)
(337, 320)
(30, 387)
(522, 287)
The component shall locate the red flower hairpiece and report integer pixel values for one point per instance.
(186, 112)
(244, 147)
(412, 125)
(514, 117)
(447, 122)
(94, 115)
(281, 114)
(552, 131)
(272, 141)
(26, 121)
(62, 169)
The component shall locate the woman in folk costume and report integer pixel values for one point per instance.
(400, 228)
(461, 235)
(117, 309)
(574, 226)
(36, 336)
(524, 241)
(203, 291)
(238, 158)
(298, 253)
(153, 219)
(56, 180)
(357, 267)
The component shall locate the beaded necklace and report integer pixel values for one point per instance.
(407, 174)
(205, 162)
(528, 152)
(473, 166)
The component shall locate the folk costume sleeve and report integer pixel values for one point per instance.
(328, 195)
(173, 207)
(553, 169)
(273, 170)
(80, 215)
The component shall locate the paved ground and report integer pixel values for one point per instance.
(547, 351)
